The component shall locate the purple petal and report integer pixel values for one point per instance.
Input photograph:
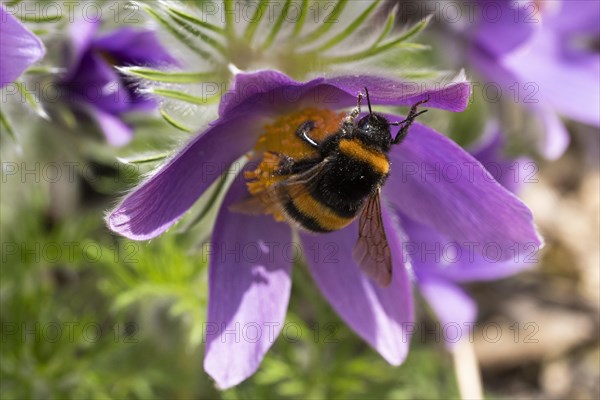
(434, 254)
(564, 82)
(552, 73)
(97, 83)
(274, 91)
(19, 48)
(267, 90)
(438, 184)
(134, 47)
(511, 173)
(249, 289)
(92, 78)
(81, 33)
(502, 26)
(117, 132)
(381, 316)
(495, 72)
(556, 138)
(158, 203)
(574, 16)
(451, 96)
(455, 310)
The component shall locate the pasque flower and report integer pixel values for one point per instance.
(546, 54)
(250, 262)
(19, 48)
(441, 264)
(92, 82)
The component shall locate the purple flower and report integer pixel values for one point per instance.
(251, 256)
(92, 82)
(441, 264)
(510, 172)
(544, 53)
(19, 48)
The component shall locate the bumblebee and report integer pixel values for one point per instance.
(340, 181)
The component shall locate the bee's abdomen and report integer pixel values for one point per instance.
(313, 215)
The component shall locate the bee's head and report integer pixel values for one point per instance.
(374, 129)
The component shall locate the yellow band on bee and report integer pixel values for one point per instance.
(326, 217)
(355, 149)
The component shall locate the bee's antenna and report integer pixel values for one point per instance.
(368, 100)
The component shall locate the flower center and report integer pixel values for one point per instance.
(280, 138)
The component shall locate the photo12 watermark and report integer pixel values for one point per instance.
(68, 331)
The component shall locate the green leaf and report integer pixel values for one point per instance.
(394, 43)
(199, 34)
(144, 158)
(40, 70)
(176, 32)
(40, 32)
(195, 20)
(4, 123)
(300, 23)
(171, 121)
(350, 28)
(188, 98)
(276, 26)
(31, 100)
(423, 74)
(170, 77)
(229, 10)
(40, 18)
(389, 24)
(255, 20)
(327, 24)
(373, 52)
(415, 29)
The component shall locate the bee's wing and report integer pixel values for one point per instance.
(371, 251)
(278, 194)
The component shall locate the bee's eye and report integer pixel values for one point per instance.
(364, 123)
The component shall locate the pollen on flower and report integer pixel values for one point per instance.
(279, 138)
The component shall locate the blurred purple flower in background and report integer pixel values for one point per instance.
(511, 172)
(254, 291)
(19, 48)
(441, 264)
(92, 82)
(547, 53)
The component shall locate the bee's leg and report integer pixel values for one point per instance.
(355, 111)
(282, 163)
(289, 166)
(303, 130)
(404, 125)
